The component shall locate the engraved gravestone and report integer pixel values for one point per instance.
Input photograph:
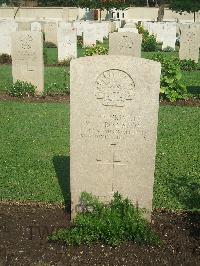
(125, 43)
(67, 44)
(36, 26)
(99, 32)
(113, 130)
(24, 26)
(6, 29)
(89, 34)
(169, 35)
(189, 42)
(27, 58)
(50, 30)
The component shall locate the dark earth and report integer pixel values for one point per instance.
(57, 98)
(24, 229)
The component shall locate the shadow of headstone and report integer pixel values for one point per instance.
(62, 168)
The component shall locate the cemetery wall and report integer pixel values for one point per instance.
(152, 13)
(40, 13)
(71, 13)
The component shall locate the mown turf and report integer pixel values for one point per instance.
(34, 161)
(34, 146)
(56, 79)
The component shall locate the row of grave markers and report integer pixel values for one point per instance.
(114, 113)
(56, 32)
(27, 52)
(29, 47)
(64, 35)
(114, 104)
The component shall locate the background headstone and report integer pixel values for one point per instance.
(125, 43)
(24, 26)
(6, 29)
(114, 114)
(27, 58)
(50, 30)
(128, 30)
(36, 26)
(78, 25)
(99, 32)
(189, 42)
(89, 34)
(65, 25)
(67, 44)
(169, 36)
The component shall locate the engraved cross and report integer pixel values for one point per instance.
(113, 162)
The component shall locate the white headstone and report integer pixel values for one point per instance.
(6, 29)
(65, 25)
(36, 26)
(99, 32)
(67, 44)
(125, 43)
(114, 115)
(169, 36)
(89, 35)
(189, 42)
(78, 25)
(128, 30)
(27, 58)
(50, 30)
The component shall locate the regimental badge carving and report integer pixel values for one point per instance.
(126, 42)
(26, 42)
(114, 87)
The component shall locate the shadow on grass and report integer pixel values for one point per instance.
(194, 91)
(186, 190)
(62, 168)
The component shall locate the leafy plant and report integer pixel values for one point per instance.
(168, 49)
(188, 65)
(65, 62)
(50, 45)
(5, 59)
(96, 50)
(110, 224)
(80, 41)
(149, 43)
(172, 87)
(22, 88)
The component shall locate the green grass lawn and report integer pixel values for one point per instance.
(56, 79)
(34, 161)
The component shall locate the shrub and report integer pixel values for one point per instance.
(149, 43)
(22, 88)
(171, 85)
(5, 59)
(168, 49)
(50, 45)
(96, 50)
(80, 41)
(188, 65)
(65, 62)
(110, 224)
